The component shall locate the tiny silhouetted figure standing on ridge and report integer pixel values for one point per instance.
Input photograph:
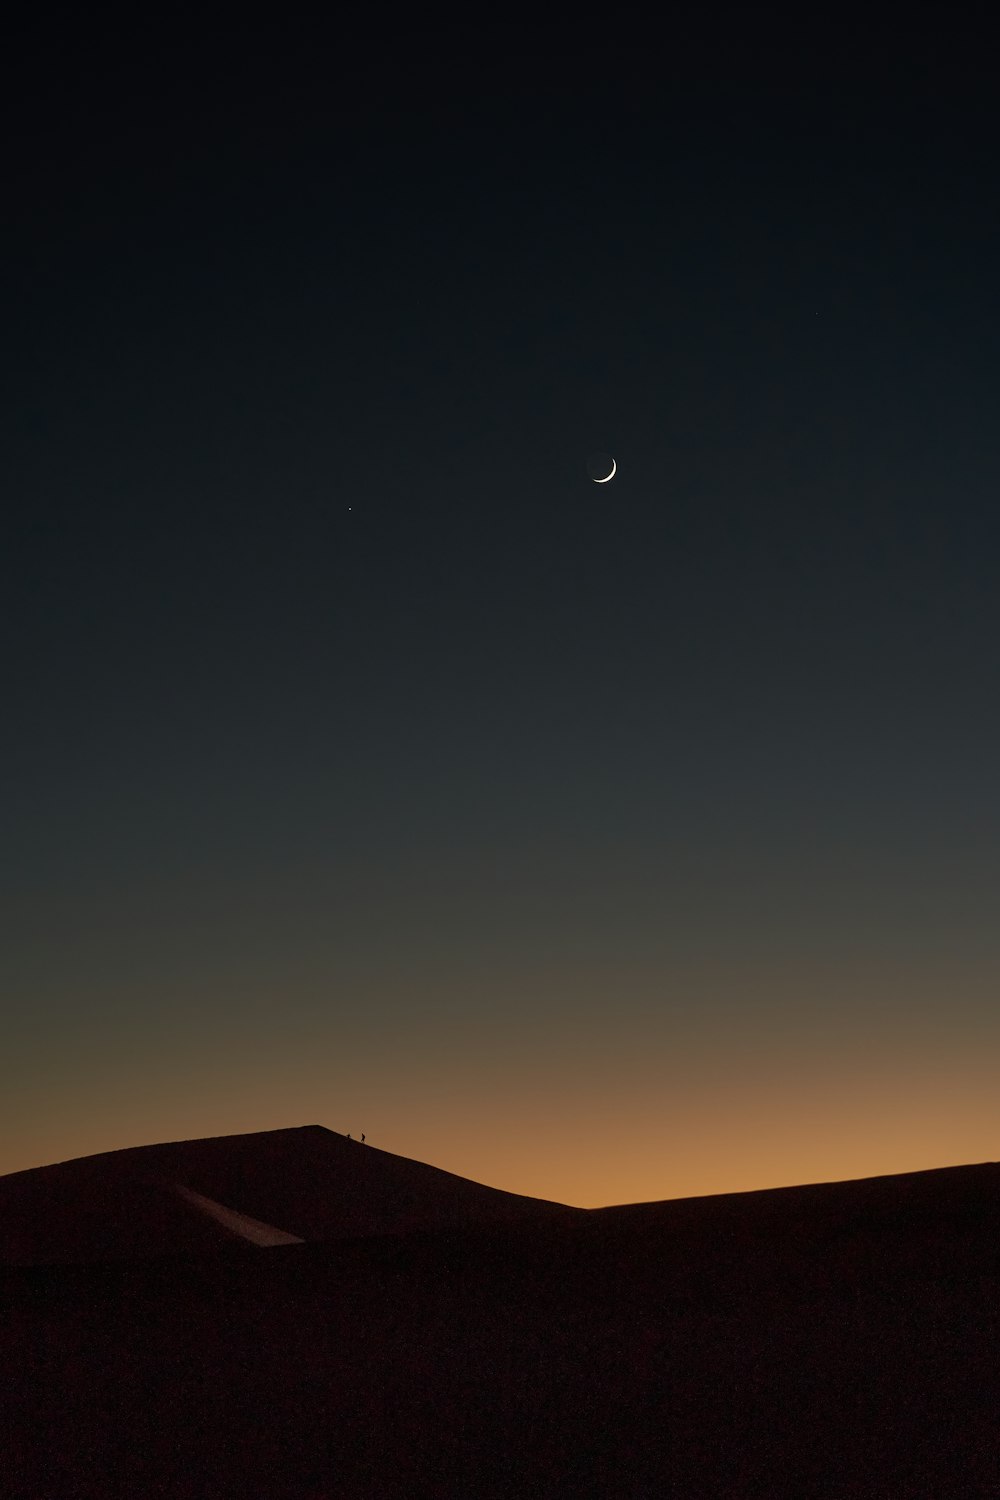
(362, 1137)
(348, 1135)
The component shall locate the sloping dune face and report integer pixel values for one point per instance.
(304, 1184)
(254, 1231)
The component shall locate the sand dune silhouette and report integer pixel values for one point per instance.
(837, 1341)
(310, 1182)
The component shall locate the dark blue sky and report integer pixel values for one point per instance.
(346, 718)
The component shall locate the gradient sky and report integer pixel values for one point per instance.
(364, 763)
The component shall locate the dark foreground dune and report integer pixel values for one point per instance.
(832, 1341)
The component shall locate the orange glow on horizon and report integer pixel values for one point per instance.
(590, 1147)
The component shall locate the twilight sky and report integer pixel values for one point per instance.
(366, 764)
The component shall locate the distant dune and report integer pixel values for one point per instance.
(433, 1339)
(307, 1183)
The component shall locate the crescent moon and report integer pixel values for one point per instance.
(614, 470)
